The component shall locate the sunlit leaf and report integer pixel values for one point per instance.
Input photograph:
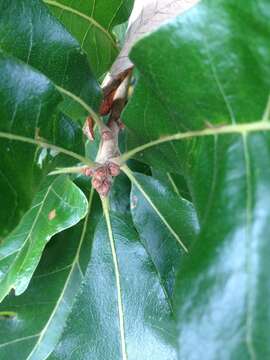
(122, 311)
(28, 119)
(55, 208)
(37, 317)
(92, 23)
(213, 94)
(164, 226)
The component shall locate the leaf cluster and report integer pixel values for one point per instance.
(171, 261)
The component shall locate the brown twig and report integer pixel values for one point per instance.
(102, 176)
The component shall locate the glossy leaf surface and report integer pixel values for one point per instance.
(49, 297)
(163, 220)
(215, 98)
(199, 120)
(28, 101)
(175, 182)
(217, 104)
(145, 310)
(92, 23)
(30, 33)
(29, 112)
(55, 208)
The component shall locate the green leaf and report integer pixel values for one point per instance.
(28, 113)
(29, 32)
(39, 314)
(208, 97)
(27, 105)
(91, 23)
(175, 182)
(222, 289)
(206, 114)
(153, 192)
(120, 195)
(122, 312)
(162, 224)
(55, 208)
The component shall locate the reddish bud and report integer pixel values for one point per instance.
(101, 171)
(89, 172)
(114, 169)
(88, 128)
(99, 177)
(96, 183)
(106, 104)
(105, 188)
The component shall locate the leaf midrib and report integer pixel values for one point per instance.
(72, 267)
(106, 210)
(41, 204)
(72, 96)
(241, 129)
(45, 145)
(249, 314)
(134, 181)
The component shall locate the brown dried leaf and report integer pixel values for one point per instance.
(146, 17)
(88, 128)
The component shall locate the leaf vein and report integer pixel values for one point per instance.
(105, 205)
(83, 16)
(132, 178)
(227, 129)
